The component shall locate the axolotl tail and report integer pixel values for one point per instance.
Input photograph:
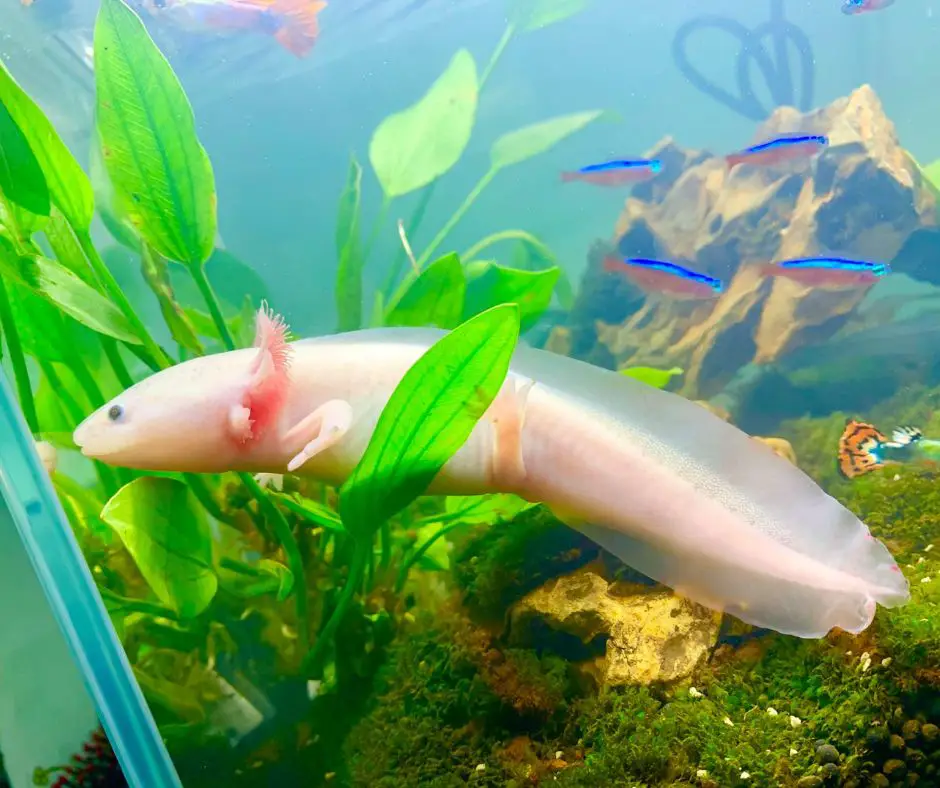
(696, 504)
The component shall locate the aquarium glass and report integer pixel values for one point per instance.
(481, 392)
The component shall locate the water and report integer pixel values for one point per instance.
(480, 640)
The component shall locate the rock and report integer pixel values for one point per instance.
(864, 195)
(559, 341)
(781, 447)
(829, 771)
(877, 737)
(651, 634)
(826, 753)
(897, 743)
(878, 780)
(910, 730)
(809, 781)
(715, 410)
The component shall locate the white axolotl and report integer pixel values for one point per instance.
(657, 480)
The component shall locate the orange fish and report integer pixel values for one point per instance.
(292, 22)
(862, 449)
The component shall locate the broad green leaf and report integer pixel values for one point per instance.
(536, 14)
(476, 509)
(310, 510)
(46, 332)
(349, 253)
(434, 298)
(62, 288)
(490, 284)
(658, 378)
(161, 173)
(66, 248)
(524, 143)
(68, 186)
(436, 558)
(22, 181)
(412, 148)
(282, 574)
(156, 274)
(167, 534)
(106, 200)
(429, 417)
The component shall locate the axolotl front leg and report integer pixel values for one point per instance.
(319, 430)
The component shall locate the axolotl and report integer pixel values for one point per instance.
(670, 489)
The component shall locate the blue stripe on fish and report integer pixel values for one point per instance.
(836, 264)
(788, 140)
(654, 165)
(676, 270)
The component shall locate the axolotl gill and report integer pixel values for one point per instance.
(670, 489)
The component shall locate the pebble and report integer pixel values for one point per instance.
(895, 769)
(877, 737)
(809, 781)
(879, 781)
(795, 722)
(694, 693)
(826, 753)
(896, 742)
(829, 771)
(481, 767)
(910, 730)
(930, 732)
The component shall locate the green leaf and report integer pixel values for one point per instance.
(22, 181)
(62, 288)
(45, 332)
(282, 574)
(349, 253)
(109, 210)
(489, 284)
(524, 143)
(311, 510)
(435, 558)
(68, 186)
(658, 378)
(66, 249)
(167, 534)
(429, 416)
(412, 148)
(536, 14)
(478, 509)
(434, 298)
(161, 173)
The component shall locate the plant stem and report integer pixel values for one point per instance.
(18, 360)
(361, 550)
(295, 561)
(416, 555)
(156, 358)
(116, 362)
(507, 235)
(457, 216)
(386, 540)
(497, 54)
(138, 605)
(199, 487)
(413, 224)
(376, 227)
(198, 273)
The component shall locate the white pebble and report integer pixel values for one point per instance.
(795, 722)
(558, 754)
(928, 548)
(792, 751)
(701, 773)
(771, 711)
(727, 721)
(745, 776)
(481, 767)
(921, 560)
(885, 662)
(866, 664)
(694, 693)
(925, 580)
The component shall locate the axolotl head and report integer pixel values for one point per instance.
(202, 416)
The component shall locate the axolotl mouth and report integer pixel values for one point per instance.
(97, 441)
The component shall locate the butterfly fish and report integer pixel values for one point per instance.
(863, 448)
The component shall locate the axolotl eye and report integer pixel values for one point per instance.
(115, 412)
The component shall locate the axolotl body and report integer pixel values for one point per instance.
(669, 488)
